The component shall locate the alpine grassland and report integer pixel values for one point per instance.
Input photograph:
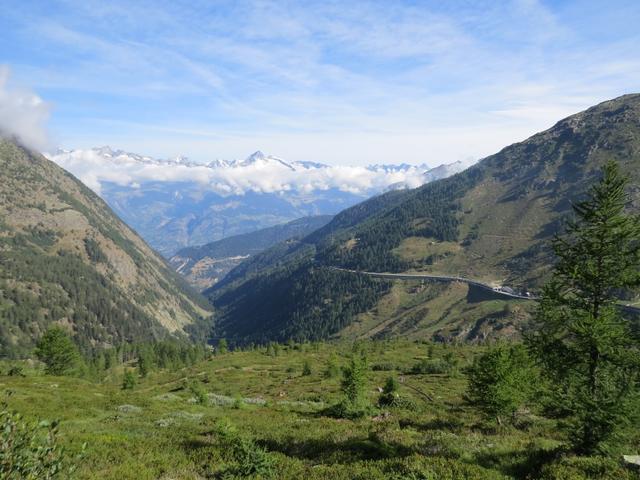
(254, 413)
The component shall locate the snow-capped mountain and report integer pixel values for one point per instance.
(177, 202)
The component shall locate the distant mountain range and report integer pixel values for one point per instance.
(492, 222)
(66, 259)
(177, 203)
(205, 265)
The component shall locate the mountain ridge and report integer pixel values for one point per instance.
(204, 265)
(491, 222)
(179, 203)
(68, 259)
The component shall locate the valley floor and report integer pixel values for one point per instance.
(159, 431)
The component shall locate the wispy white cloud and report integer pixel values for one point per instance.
(23, 114)
(416, 81)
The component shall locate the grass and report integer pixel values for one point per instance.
(160, 431)
(416, 310)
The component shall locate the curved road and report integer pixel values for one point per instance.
(445, 278)
(439, 278)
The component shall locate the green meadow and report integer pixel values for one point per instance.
(261, 414)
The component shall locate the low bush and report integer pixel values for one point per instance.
(383, 367)
(30, 450)
(199, 393)
(128, 380)
(248, 459)
(432, 367)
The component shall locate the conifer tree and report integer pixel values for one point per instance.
(128, 380)
(306, 368)
(501, 381)
(353, 386)
(584, 345)
(57, 351)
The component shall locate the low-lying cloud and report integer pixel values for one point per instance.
(23, 114)
(266, 175)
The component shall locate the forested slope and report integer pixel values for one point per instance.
(205, 265)
(491, 222)
(65, 258)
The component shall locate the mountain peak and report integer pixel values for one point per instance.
(181, 160)
(259, 157)
(105, 151)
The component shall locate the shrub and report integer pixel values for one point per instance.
(383, 367)
(16, 371)
(333, 369)
(199, 393)
(30, 451)
(222, 346)
(128, 380)
(249, 459)
(586, 468)
(431, 367)
(144, 364)
(238, 403)
(306, 368)
(501, 380)
(389, 393)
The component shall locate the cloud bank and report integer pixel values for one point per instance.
(23, 114)
(259, 173)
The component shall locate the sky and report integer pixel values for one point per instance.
(338, 82)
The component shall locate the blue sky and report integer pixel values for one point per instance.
(344, 82)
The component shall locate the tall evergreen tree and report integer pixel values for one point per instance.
(584, 345)
(501, 381)
(353, 386)
(57, 351)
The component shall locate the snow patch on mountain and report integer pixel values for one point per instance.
(259, 173)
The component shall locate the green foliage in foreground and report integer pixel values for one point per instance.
(586, 348)
(30, 450)
(157, 431)
(247, 458)
(502, 380)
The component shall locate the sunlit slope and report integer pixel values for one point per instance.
(66, 258)
(491, 222)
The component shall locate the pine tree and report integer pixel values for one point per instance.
(306, 368)
(128, 380)
(354, 383)
(389, 395)
(584, 345)
(144, 363)
(501, 380)
(58, 352)
(333, 368)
